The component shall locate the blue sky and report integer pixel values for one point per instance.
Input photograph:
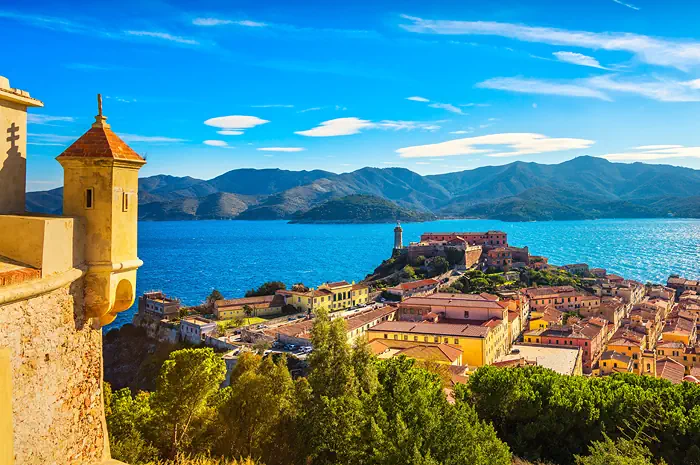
(205, 87)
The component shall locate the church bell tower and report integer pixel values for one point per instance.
(101, 186)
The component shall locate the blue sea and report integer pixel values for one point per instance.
(187, 259)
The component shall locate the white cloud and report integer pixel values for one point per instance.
(35, 118)
(461, 132)
(517, 143)
(542, 87)
(49, 139)
(353, 125)
(216, 143)
(222, 22)
(628, 5)
(163, 36)
(337, 127)
(138, 138)
(235, 124)
(578, 59)
(655, 152)
(309, 109)
(475, 105)
(418, 99)
(422, 163)
(447, 106)
(281, 149)
(681, 54)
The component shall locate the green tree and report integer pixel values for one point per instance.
(187, 380)
(440, 265)
(127, 422)
(248, 311)
(213, 297)
(268, 288)
(620, 452)
(419, 261)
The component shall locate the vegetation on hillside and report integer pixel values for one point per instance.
(268, 288)
(476, 282)
(360, 209)
(351, 409)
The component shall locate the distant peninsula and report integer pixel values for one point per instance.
(582, 188)
(361, 209)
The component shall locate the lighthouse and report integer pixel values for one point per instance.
(398, 237)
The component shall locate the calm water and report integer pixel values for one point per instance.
(188, 259)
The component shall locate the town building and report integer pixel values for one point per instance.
(333, 297)
(422, 287)
(544, 317)
(634, 344)
(157, 305)
(565, 360)
(614, 362)
(194, 329)
(438, 353)
(589, 337)
(576, 268)
(478, 343)
(670, 370)
(562, 298)
(613, 309)
(299, 332)
(487, 239)
(62, 278)
(681, 284)
(598, 272)
(499, 258)
(267, 305)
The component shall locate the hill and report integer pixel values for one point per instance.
(582, 188)
(360, 209)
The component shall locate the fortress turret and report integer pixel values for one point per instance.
(101, 186)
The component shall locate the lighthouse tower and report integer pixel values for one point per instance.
(398, 236)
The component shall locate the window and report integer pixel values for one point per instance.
(466, 314)
(436, 339)
(456, 341)
(89, 198)
(405, 337)
(386, 336)
(425, 338)
(396, 337)
(125, 201)
(415, 338)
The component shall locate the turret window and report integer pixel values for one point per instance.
(89, 198)
(126, 197)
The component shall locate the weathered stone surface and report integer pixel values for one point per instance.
(56, 379)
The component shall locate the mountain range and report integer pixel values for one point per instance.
(582, 188)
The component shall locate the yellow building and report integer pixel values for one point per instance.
(479, 344)
(330, 296)
(633, 345)
(544, 317)
(267, 305)
(614, 362)
(61, 279)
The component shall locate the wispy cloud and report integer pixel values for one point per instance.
(38, 118)
(309, 109)
(163, 36)
(462, 131)
(281, 149)
(578, 59)
(353, 125)
(681, 54)
(542, 87)
(628, 5)
(50, 139)
(337, 127)
(474, 105)
(443, 106)
(224, 22)
(600, 87)
(235, 125)
(152, 139)
(217, 143)
(447, 106)
(655, 152)
(509, 145)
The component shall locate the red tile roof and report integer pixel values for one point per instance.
(444, 329)
(100, 142)
(670, 369)
(416, 284)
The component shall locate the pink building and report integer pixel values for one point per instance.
(563, 298)
(589, 337)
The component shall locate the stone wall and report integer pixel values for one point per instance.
(56, 360)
